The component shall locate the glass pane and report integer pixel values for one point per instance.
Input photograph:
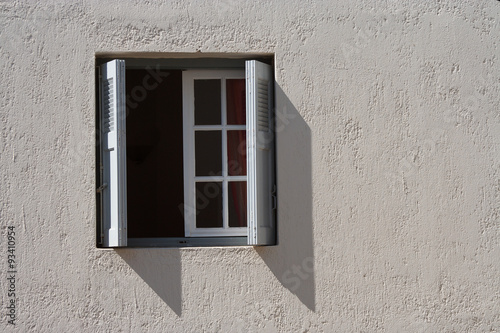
(209, 205)
(236, 102)
(237, 195)
(236, 153)
(207, 95)
(208, 153)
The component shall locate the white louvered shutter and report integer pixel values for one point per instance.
(260, 154)
(113, 154)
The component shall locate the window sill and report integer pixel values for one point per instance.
(178, 242)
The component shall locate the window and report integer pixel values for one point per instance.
(186, 153)
(216, 183)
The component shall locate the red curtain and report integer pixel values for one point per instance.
(236, 149)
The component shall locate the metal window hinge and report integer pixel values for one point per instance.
(274, 199)
(101, 188)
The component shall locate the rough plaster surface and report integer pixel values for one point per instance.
(388, 169)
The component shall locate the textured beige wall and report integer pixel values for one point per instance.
(388, 170)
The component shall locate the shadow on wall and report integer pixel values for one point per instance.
(292, 261)
(161, 270)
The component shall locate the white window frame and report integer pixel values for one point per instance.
(261, 187)
(189, 129)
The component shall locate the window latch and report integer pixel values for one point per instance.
(273, 195)
(101, 188)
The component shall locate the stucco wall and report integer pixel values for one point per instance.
(388, 170)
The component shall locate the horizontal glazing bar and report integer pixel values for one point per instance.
(219, 127)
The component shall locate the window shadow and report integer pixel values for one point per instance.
(161, 270)
(292, 261)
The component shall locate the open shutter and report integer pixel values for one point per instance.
(260, 154)
(113, 154)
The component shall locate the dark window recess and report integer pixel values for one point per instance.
(209, 205)
(155, 187)
(208, 150)
(207, 104)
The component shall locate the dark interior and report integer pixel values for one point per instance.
(155, 180)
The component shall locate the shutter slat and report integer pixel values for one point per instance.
(108, 105)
